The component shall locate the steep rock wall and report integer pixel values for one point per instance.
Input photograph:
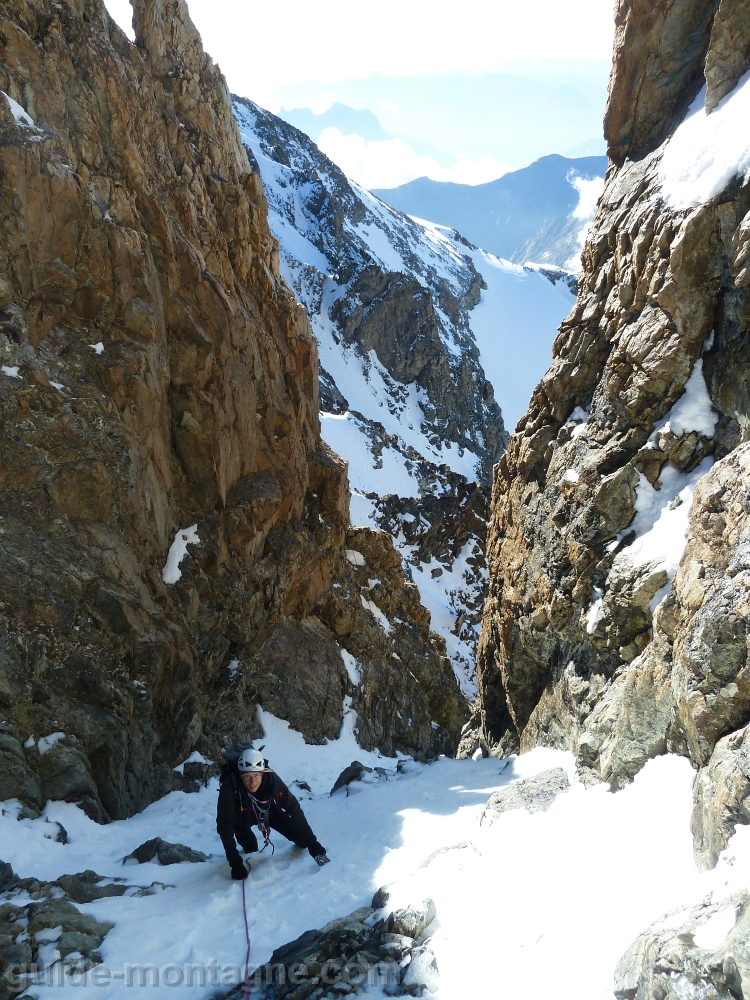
(645, 405)
(157, 373)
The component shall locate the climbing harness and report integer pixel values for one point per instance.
(246, 984)
(261, 809)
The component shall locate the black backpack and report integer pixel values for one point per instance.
(232, 754)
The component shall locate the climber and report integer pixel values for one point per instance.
(251, 794)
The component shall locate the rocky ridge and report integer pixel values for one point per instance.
(605, 632)
(385, 285)
(157, 373)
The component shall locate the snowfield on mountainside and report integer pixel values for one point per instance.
(485, 328)
(533, 903)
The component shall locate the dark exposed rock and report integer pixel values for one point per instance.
(17, 779)
(729, 50)
(165, 853)
(66, 775)
(660, 50)
(83, 888)
(351, 773)
(535, 794)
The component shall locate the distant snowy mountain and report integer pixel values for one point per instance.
(418, 333)
(529, 214)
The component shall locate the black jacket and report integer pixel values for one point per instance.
(234, 812)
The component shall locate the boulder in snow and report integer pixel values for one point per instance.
(535, 794)
(395, 946)
(421, 973)
(411, 920)
(351, 773)
(164, 853)
(85, 888)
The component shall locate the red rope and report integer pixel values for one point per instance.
(246, 984)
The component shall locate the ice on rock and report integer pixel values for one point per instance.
(715, 930)
(194, 758)
(177, 552)
(579, 418)
(661, 521)
(21, 117)
(380, 618)
(596, 610)
(352, 667)
(47, 742)
(97, 348)
(10, 370)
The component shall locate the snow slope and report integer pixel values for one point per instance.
(536, 904)
(511, 359)
(494, 320)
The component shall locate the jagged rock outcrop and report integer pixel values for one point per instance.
(722, 798)
(700, 952)
(157, 374)
(594, 638)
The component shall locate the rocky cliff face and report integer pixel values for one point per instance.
(157, 373)
(604, 632)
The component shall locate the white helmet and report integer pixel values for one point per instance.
(250, 760)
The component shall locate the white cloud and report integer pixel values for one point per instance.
(588, 195)
(261, 50)
(589, 192)
(390, 162)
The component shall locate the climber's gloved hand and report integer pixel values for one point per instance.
(239, 871)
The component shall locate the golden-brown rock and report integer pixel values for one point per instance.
(166, 377)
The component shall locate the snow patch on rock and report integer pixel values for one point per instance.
(177, 552)
(708, 151)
